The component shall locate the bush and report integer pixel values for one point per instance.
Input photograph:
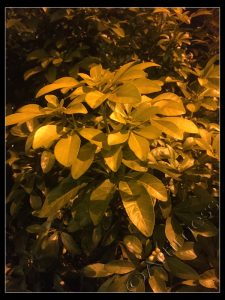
(116, 171)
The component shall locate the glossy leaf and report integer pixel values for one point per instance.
(47, 161)
(153, 186)
(64, 82)
(45, 136)
(133, 244)
(20, 118)
(118, 137)
(95, 98)
(99, 200)
(83, 160)
(119, 267)
(139, 145)
(113, 158)
(66, 150)
(139, 206)
(186, 252)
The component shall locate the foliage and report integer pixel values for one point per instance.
(115, 162)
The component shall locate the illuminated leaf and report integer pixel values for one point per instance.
(100, 199)
(147, 86)
(167, 96)
(64, 82)
(95, 136)
(153, 186)
(139, 145)
(77, 108)
(119, 267)
(45, 136)
(52, 99)
(173, 233)
(113, 158)
(149, 132)
(95, 98)
(170, 108)
(169, 128)
(127, 93)
(47, 161)
(83, 161)
(186, 252)
(66, 150)
(118, 137)
(32, 72)
(133, 244)
(209, 279)
(96, 270)
(183, 124)
(139, 206)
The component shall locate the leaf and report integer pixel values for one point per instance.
(204, 228)
(122, 70)
(99, 200)
(209, 279)
(153, 186)
(83, 161)
(133, 244)
(34, 228)
(104, 287)
(119, 284)
(47, 161)
(127, 93)
(95, 98)
(147, 86)
(149, 132)
(50, 209)
(119, 267)
(70, 244)
(183, 124)
(139, 145)
(64, 82)
(32, 72)
(138, 205)
(96, 270)
(113, 158)
(144, 65)
(37, 54)
(170, 108)
(134, 165)
(117, 117)
(186, 252)
(168, 128)
(157, 284)
(118, 137)
(131, 75)
(95, 136)
(119, 31)
(77, 108)
(44, 136)
(173, 232)
(166, 96)
(180, 269)
(52, 99)
(66, 150)
(20, 118)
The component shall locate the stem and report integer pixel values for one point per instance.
(105, 118)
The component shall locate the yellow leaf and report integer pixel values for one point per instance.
(147, 86)
(45, 136)
(167, 96)
(31, 72)
(77, 108)
(117, 117)
(47, 161)
(96, 270)
(133, 244)
(169, 128)
(113, 158)
(153, 186)
(19, 118)
(64, 82)
(95, 136)
(122, 70)
(127, 93)
(96, 72)
(139, 206)
(139, 145)
(118, 137)
(95, 98)
(183, 124)
(132, 74)
(170, 108)
(144, 65)
(119, 266)
(66, 150)
(149, 132)
(83, 161)
(173, 232)
(209, 279)
(31, 108)
(52, 99)
(186, 252)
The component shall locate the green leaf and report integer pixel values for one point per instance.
(64, 82)
(139, 145)
(66, 150)
(138, 205)
(83, 161)
(133, 244)
(44, 136)
(50, 209)
(118, 137)
(149, 132)
(168, 128)
(70, 244)
(119, 267)
(127, 93)
(113, 158)
(20, 118)
(147, 86)
(153, 186)
(183, 124)
(186, 252)
(173, 231)
(96, 270)
(95, 98)
(95, 136)
(180, 269)
(100, 199)
(47, 161)
(77, 108)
